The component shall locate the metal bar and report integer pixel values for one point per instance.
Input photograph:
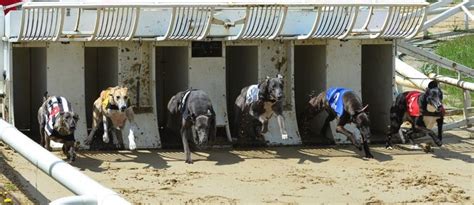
(22, 23)
(443, 16)
(177, 32)
(369, 17)
(244, 25)
(54, 20)
(108, 25)
(170, 26)
(78, 19)
(339, 18)
(281, 22)
(192, 24)
(96, 24)
(201, 19)
(438, 4)
(208, 24)
(467, 13)
(117, 32)
(60, 24)
(401, 22)
(419, 24)
(266, 14)
(47, 26)
(219, 4)
(184, 25)
(134, 23)
(123, 32)
(384, 25)
(324, 22)
(469, 86)
(352, 23)
(393, 22)
(433, 58)
(410, 22)
(41, 21)
(113, 25)
(99, 27)
(62, 172)
(314, 27)
(255, 15)
(330, 22)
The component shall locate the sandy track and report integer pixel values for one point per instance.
(275, 175)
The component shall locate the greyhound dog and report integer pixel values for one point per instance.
(191, 112)
(57, 122)
(422, 110)
(114, 104)
(345, 105)
(261, 101)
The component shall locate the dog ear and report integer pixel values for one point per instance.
(76, 117)
(279, 76)
(173, 105)
(433, 84)
(267, 78)
(45, 96)
(364, 108)
(209, 113)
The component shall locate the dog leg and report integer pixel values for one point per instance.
(47, 142)
(350, 135)
(281, 124)
(133, 126)
(184, 136)
(264, 122)
(117, 136)
(105, 136)
(366, 148)
(440, 131)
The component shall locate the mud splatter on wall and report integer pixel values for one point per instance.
(134, 72)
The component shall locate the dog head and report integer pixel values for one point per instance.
(272, 88)
(362, 122)
(434, 97)
(119, 96)
(203, 125)
(66, 122)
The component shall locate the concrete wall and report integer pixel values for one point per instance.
(134, 72)
(65, 77)
(344, 70)
(377, 77)
(276, 57)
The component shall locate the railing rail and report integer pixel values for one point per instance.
(193, 20)
(89, 190)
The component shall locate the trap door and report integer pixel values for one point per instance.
(171, 76)
(207, 72)
(310, 76)
(29, 85)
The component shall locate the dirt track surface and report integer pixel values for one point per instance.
(272, 175)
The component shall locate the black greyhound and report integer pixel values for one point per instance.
(192, 114)
(345, 105)
(261, 101)
(422, 110)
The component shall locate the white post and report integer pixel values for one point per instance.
(467, 104)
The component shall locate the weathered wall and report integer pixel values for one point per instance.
(344, 70)
(134, 72)
(277, 57)
(65, 77)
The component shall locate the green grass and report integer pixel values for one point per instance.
(460, 50)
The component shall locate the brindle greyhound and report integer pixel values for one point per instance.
(191, 112)
(345, 105)
(422, 110)
(261, 101)
(57, 122)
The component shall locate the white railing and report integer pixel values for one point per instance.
(45, 21)
(464, 6)
(89, 191)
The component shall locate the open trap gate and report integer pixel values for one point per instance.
(161, 47)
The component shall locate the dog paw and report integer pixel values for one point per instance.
(415, 147)
(105, 138)
(389, 147)
(132, 146)
(284, 136)
(189, 161)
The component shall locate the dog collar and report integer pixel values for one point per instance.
(111, 107)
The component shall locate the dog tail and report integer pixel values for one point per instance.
(45, 96)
